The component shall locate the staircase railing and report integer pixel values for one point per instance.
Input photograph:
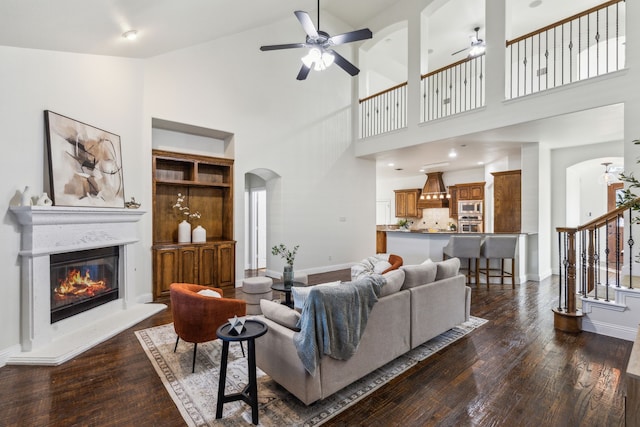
(590, 259)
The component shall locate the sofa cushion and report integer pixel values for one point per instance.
(421, 274)
(395, 280)
(300, 293)
(447, 268)
(280, 314)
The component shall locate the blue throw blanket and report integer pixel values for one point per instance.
(334, 318)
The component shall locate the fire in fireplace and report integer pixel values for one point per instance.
(82, 280)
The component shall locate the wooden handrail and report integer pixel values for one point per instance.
(563, 21)
(603, 219)
(382, 92)
(446, 67)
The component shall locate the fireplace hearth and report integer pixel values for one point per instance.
(82, 280)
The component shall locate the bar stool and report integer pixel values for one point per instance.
(499, 247)
(464, 247)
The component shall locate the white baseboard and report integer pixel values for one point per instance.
(608, 329)
(7, 353)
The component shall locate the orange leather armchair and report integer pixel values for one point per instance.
(196, 318)
(395, 261)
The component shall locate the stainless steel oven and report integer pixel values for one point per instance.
(468, 223)
(470, 207)
(469, 226)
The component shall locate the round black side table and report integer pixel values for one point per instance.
(280, 286)
(253, 329)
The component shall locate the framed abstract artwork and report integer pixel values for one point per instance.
(85, 163)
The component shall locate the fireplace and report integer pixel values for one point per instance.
(82, 280)
(59, 321)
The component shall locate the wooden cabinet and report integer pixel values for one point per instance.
(507, 201)
(407, 203)
(453, 202)
(381, 242)
(208, 264)
(470, 191)
(207, 186)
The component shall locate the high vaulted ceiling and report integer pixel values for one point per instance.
(96, 27)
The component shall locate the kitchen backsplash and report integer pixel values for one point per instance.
(432, 218)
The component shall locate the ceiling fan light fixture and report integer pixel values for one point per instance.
(477, 50)
(318, 60)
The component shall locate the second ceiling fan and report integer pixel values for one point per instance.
(320, 44)
(477, 45)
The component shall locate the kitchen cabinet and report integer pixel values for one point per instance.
(381, 242)
(507, 201)
(206, 184)
(453, 202)
(407, 203)
(470, 191)
(208, 264)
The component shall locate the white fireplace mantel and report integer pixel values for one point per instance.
(48, 230)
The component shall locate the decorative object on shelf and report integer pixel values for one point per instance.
(199, 235)
(132, 204)
(184, 213)
(85, 163)
(184, 232)
(289, 256)
(26, 198)
(183, 210)
(452, 226)
(44, 200)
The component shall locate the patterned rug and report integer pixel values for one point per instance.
(195, 394)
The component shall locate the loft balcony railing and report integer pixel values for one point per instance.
(582, 46)
(590, 259)
(384, 111)
(453, 89)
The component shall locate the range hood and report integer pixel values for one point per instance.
(432, 191)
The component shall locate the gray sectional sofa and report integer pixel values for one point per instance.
(417, 303)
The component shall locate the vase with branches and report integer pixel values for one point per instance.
(289, 256)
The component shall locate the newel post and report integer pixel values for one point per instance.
(567, 319)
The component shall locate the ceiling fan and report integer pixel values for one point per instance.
(321, 55)
(477, 45)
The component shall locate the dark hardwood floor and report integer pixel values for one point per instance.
(516, 370)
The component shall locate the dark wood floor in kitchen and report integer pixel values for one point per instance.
(516, 370)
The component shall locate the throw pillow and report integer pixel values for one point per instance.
(417, 275)
(300, 293)
(447, 268)
(281, 314)
(395, 280)
(209, 293)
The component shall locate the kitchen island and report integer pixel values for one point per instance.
(415, 246)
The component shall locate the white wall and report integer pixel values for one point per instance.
(324, 197)
(102, 91)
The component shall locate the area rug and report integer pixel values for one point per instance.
(195, 394)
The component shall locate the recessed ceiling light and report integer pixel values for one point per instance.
(535, 3)
(130, 35)
(481, 163)
(391, 164)
(453, 153)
